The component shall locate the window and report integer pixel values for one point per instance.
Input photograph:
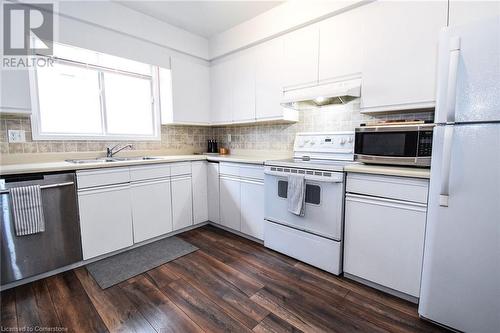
(313, 192)
(87, 95)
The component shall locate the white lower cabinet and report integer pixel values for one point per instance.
(384, 237)
(252, 208)
(151, 209)
(242, 198)
(182, 202)
(213, 192)
(200, 184)
(230, 202)
(105, 219)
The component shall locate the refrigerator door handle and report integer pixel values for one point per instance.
(446, 165)
(451, 93)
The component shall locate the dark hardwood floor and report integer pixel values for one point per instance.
(230, 285)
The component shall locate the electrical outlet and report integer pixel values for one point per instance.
(16, 136)
(229, 138)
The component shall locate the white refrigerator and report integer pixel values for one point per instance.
(460, 285)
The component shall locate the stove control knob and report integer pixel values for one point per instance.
(343, 141)
(350, 140)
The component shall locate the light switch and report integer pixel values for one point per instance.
(16, 136)
(229, 138)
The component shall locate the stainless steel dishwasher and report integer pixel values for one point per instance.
(59, 245)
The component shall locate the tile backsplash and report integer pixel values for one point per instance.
(172, 138)
(280, 137)
(175, 137)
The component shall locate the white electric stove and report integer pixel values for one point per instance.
(316, 237)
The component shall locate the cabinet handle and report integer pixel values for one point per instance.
(387, 202)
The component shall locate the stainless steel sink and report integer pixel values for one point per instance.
(92, 160)
(136, 158)
(113, 159)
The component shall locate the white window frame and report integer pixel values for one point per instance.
(38, 135)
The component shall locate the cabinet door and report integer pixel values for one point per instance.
(200, 195)
(252, 208)
(384, 241)
(243, 105)
(190, 91)
(105, 220)
(15, 91)
(182, 202)
(341, 44)
(221, 78)
(269, 79)
(463, 12)
(301, 50)
(399, 66)
(151, 209)
(230, 203)
(213, 192)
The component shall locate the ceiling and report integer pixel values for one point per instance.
(204, 18)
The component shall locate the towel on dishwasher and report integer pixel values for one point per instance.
(27, 210)
(296, 194)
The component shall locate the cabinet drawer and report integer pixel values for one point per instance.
(102, 177)
(399, 188)
(149, 172)
(252, 171)
(178, 169)
(229, 169)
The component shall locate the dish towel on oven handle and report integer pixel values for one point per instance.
(27, 210)
(296, 194)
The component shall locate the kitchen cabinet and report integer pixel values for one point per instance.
(200, 191)
(399, 64)
(230, 202)
(151, 209)
(269, 79)
(221, 90)
(384, 231)
(463, 12)
(105, 211)
(243, 87)
(242, 198)
(301, 51)
(15, 92)
(341, 45)
(213, 191)
(190, 92)
(182, 196)
(252, 208)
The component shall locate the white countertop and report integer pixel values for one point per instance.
(389, 170)
(20, 168)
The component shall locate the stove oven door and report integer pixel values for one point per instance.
(324, 202)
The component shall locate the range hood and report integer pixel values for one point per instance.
(340, 92)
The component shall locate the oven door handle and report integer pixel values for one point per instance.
(335, 178)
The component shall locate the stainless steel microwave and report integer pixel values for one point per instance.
(409, 145)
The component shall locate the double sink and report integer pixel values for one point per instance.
(113, 159)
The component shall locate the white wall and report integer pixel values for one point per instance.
(279, 20)
(109, 27)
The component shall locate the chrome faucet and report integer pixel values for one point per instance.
(110, 152)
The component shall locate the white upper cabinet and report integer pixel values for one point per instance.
(243, 105)
(399, 63)
(269, 79)
(15, 91)
(301, 49)
(341, 45)
(463, 12)
(190, 92)
(221, 85)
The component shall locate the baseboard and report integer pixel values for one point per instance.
(238, 233)
(386, 290)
